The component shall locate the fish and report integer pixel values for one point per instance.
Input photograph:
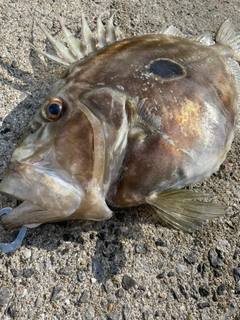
(131, 121)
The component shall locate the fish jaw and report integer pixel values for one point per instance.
(26, 211)
(46, 192)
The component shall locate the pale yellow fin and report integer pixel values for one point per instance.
(226, 35)
(180, 208)
(172, 31)
(110, 32)
(205, 39)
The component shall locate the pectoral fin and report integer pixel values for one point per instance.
(177, 208)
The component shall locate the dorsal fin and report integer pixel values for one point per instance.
(78, 49)
(205, 38)
(226, 35)
(172, 31)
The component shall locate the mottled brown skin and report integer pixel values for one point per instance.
(179, 101)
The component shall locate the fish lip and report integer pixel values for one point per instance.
(52, 189)
(14, 168)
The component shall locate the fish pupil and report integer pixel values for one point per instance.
(54, 109)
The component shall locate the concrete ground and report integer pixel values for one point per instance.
(130, 267)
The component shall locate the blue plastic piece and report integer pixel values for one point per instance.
(10, 247)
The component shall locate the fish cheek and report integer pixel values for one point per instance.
(74, 147)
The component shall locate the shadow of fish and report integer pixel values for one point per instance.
(131, 121)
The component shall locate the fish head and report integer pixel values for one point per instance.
(65, 163)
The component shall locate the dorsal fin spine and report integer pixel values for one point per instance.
(79, 49)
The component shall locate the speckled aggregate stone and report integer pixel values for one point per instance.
(130, 267)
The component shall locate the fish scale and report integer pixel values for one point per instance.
(132, 121)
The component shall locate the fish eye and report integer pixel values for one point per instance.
(53, 110)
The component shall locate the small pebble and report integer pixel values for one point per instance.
(120, 293)
(112, 298)
(28, 254)
(31, 314)
(16, 273)
(224, 245)
(67, 302)
(215, 258)
(38, 302)
(128, 282)
(183, 291)
(236, 274)
(217, 273)
(174, 294)
(204, 290)
(11, 311)
(93, 280)
(55, 292)
(220, 289)
(97, 268)
(66, 271)
(89, 314)
(141, 248)
(27, 273)
(215, 297)
(202, 269)
(230, 310)
(80, 240)
(84, 297)
(114, 316)
(67, 237)
(145, 265)
(141, 288)
(181, 269)
(83, 262)
(160, 264)
(160, 243)
(81, 276)
(191, 258)
(4, 296)
(145, 315)
(126, 311)
(202, 305)
(161, 275)
(236, 254)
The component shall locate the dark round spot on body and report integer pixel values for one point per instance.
(54, 109)
(166, 69)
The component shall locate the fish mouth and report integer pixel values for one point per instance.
(49, 194)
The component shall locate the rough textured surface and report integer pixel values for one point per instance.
(130, 267)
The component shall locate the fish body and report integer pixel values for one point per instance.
(130, 123)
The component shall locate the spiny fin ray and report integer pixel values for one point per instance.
(78, 49)
(110, 33)
(205, 39)
(88, 37)
(226, 35)
(60, 48)
(172, 31)
(50, 56)
(101, 33)
(74, 44)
